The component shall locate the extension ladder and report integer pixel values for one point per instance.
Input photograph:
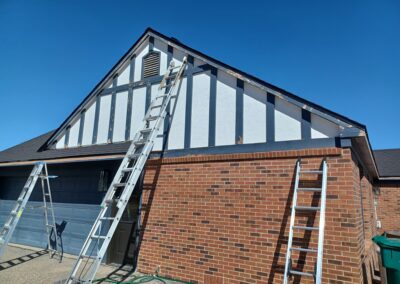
(38, 171)
(123, 184)
(289, 270)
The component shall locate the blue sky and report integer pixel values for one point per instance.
(344, 55)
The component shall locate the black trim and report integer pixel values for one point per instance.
(253, 148)
(239, 111)
(305, 124)
(130, 99)
(112, 112)
(81, 125)
(96, 121)
(66, 141)
(270, 116)
(212, 107)
(189, 98)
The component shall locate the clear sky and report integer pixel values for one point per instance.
(342, 54)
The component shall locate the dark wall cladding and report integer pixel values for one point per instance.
(76, 198)
(76, 183)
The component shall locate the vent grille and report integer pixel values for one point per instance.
(151, 64)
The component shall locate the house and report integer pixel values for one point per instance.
(214, 205)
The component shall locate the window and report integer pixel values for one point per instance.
(151, 64)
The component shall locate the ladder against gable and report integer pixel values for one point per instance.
(123, 184)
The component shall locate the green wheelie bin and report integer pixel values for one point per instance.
(390, 254)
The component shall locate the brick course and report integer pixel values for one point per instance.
(388, 206)
(225, 218)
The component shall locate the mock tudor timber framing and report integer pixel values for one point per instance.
(210, 62)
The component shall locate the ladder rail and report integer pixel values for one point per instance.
(317, 274)
(142, 150)
(321, 233)
(292, 217)
(47, 194)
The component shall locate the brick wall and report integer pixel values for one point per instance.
(388, 206)
(225, 218)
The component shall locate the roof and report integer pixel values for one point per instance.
(30, 150)
(388, 162)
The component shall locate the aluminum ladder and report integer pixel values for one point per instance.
(123, 184)
(38, 171)
(289, 270)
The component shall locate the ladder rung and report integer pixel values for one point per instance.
(127, 170)
(151, 118)
(107, 218)
(6, 227)
(164, 96)
(307, 208)
(14, 213)
(88, 256)
(140, 142)
(304, 249)
(51, 226)
(166, 86)
(156, 106)
(47, 194)
(20, 200)
(133, 156)
(306, 228)
(312, 172)
(121, 184)
(295, 272)
(98, 237)
(309, 189)
(147, 130)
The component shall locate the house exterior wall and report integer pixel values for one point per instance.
(226, 217)
(388, 206)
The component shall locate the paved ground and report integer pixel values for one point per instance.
(25, 265)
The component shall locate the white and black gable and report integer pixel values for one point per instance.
(217, 105)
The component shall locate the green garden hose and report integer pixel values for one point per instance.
(139, 280)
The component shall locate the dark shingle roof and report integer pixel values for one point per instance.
(388, 162)
(29, 150)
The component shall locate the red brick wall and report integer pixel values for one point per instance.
(388, 207)
(225, 218)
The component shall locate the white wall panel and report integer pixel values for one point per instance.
(142, 51)
(123, 77)
(162, 47)
(74, 134)
(158, 142)
(61, 142)
(200, 110)
(176, 138)
(287, 121)
(225, 110)
(88, 125)
(121, 105)
(104, 119)
(138, 104)
(254, 114)
(322, 128)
